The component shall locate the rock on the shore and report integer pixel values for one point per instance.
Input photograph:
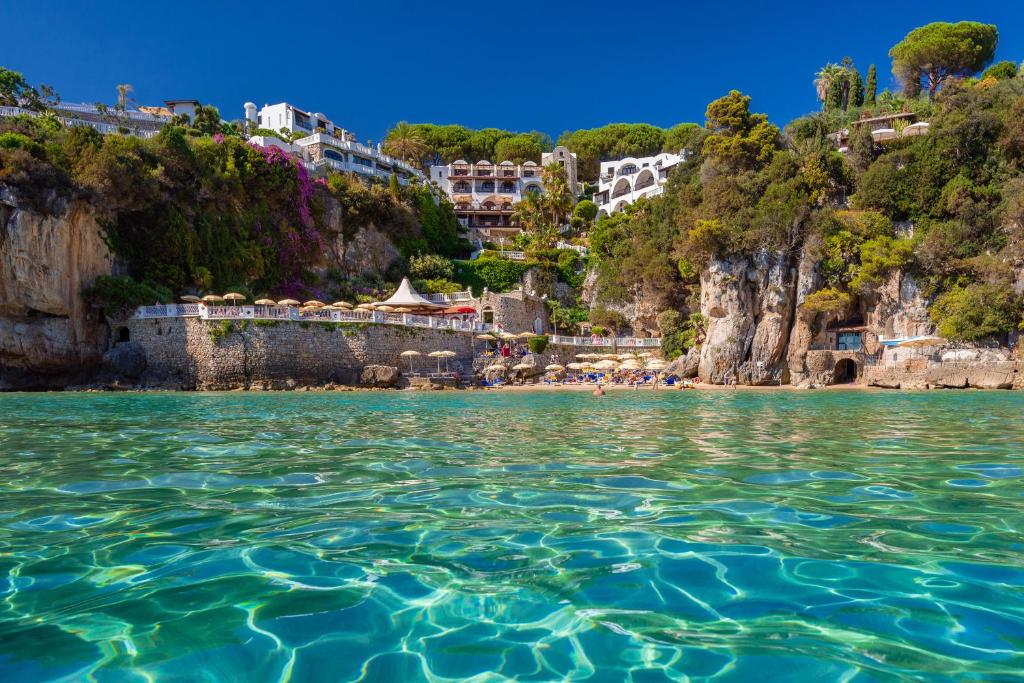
(126, 360)
(380, 376)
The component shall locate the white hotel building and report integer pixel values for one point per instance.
(326, 146)
(624, 181)
(484, 193)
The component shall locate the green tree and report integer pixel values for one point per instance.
(1001, 71)
(931, 54)
(976, 311)
(518, 149)
(15, 91)
(856, 89)
(872, 85)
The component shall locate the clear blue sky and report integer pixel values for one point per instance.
(543, 64)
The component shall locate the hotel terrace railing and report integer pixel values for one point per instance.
(356, 148)
(450, 298)
(105, 128)
(291, 313)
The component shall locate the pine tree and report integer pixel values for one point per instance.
(872, 86)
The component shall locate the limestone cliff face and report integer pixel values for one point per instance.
(48, 334)
(898, 309)
(749, 304)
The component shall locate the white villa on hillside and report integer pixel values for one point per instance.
(624, 181)
(326, 146)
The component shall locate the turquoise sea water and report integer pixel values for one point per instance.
(776, 536)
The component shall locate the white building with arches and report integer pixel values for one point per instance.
(484, 193)
(624, 181)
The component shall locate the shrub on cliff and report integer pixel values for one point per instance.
(496, 274)
(119, 296)
(976, 311)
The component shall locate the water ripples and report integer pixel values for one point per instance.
(384, 536)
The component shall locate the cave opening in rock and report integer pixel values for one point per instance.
(123, 335)
(845, 372)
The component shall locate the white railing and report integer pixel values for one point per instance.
(513, 255)
(438, 298)
(295, 314)
(105, 128)
(575, 247)
(606, 342)
(355, 147)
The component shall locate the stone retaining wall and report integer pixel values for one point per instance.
(970, 375)
(284, 354)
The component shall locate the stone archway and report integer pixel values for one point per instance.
(124, 335)
(845, 372)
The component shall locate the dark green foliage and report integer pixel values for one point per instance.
(431, 266)
(537, 344)
(871, 88)
(496, 274)
(220, 331)
(610, 319)
(976, 311)
(1001, 71)
(446, 144)
(119, 296)
(679, 335)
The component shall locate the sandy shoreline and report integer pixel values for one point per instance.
(665, 388)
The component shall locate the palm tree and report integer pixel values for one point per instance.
(122, 95)
(405, 142)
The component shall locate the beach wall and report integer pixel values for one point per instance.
(215, 355)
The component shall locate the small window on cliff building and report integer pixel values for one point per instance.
(123, 335)
(488, 314)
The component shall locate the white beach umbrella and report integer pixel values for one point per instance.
(555, 367)
(410, 354)
(265, 302)
(191, 298)
(287, 302)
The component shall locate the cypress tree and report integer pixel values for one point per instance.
(856, 89)
(835, 95)
(869, 96)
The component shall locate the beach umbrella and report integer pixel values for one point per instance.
(313, 303)
(656, 364)
(287, 302)
(522, 366)
(403, 309)
(508, 335)
(439, 355)
(526, 335)
(234, 296)
(265, 302)
(576, 366)
(554, 367)
(385, 309)
(410, 354)
(606, 365)
(365, 307)
(212, 298)
(485, 337)
(645, 354)
(342, 304)
(191, 298)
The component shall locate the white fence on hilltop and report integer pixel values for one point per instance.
(292, 313)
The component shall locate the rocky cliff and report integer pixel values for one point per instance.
(749, 304)
(48, 335)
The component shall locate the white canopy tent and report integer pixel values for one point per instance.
(407, 297)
